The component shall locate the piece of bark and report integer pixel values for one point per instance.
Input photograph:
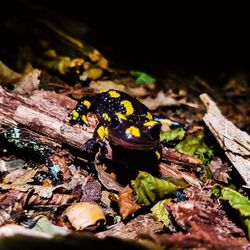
(198, 240)
(234, 142)
(134, 229)
(179, 158)
(173, 170)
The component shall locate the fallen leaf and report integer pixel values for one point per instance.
(7, 75)
(142, 77)
(21, 176)
(194, 146)
(126, 204)
(100, 85)
(220, 171)
(239, 202)
(149, 188)
(85, 215)
(161, 212)
(172, 135)
(165, 99)
(107, 179)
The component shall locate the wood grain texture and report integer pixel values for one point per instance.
(234, 142)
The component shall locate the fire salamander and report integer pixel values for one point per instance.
(123, 121)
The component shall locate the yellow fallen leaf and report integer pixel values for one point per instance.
(85, 215)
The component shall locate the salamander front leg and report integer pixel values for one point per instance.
(158, 153)
(97, 141)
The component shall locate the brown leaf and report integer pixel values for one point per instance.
(220, 171)
(5, 217)
(55, 200)
(166, 99)
(100, 85)
(10, 207)
(21, 176)
(126, 204)
(107, 180)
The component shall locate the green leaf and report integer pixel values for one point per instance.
(216, 191)
(247, 224)
(142, 77)
(161, 212)
(149, 188)
(194, 146)
(237, 201)
(172, 135)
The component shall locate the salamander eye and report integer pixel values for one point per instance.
(154, 131)
(115, 122)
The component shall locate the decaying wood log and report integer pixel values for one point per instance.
(46, 112)
(234, 142)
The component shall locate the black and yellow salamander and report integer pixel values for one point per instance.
(123, 121)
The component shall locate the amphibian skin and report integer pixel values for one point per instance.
(123, 121)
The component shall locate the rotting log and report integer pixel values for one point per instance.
(46, 112)
(234, 142)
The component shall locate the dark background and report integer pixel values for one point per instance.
(157, 36)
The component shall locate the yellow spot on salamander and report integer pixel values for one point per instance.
(102, 131)
(114, 94)
(106, 117)
(128, 106)
(86, 103)
(132, 130)
(158, 155)
(74, 114)
(103, 91)
(149, 116)
(84, 118)
(121, 116)
(150, 123)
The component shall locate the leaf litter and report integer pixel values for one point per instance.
(57, 190)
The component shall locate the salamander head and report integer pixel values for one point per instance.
(134, 133)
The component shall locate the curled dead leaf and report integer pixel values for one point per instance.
(107, 180)
(85, 215)
(126, 204)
